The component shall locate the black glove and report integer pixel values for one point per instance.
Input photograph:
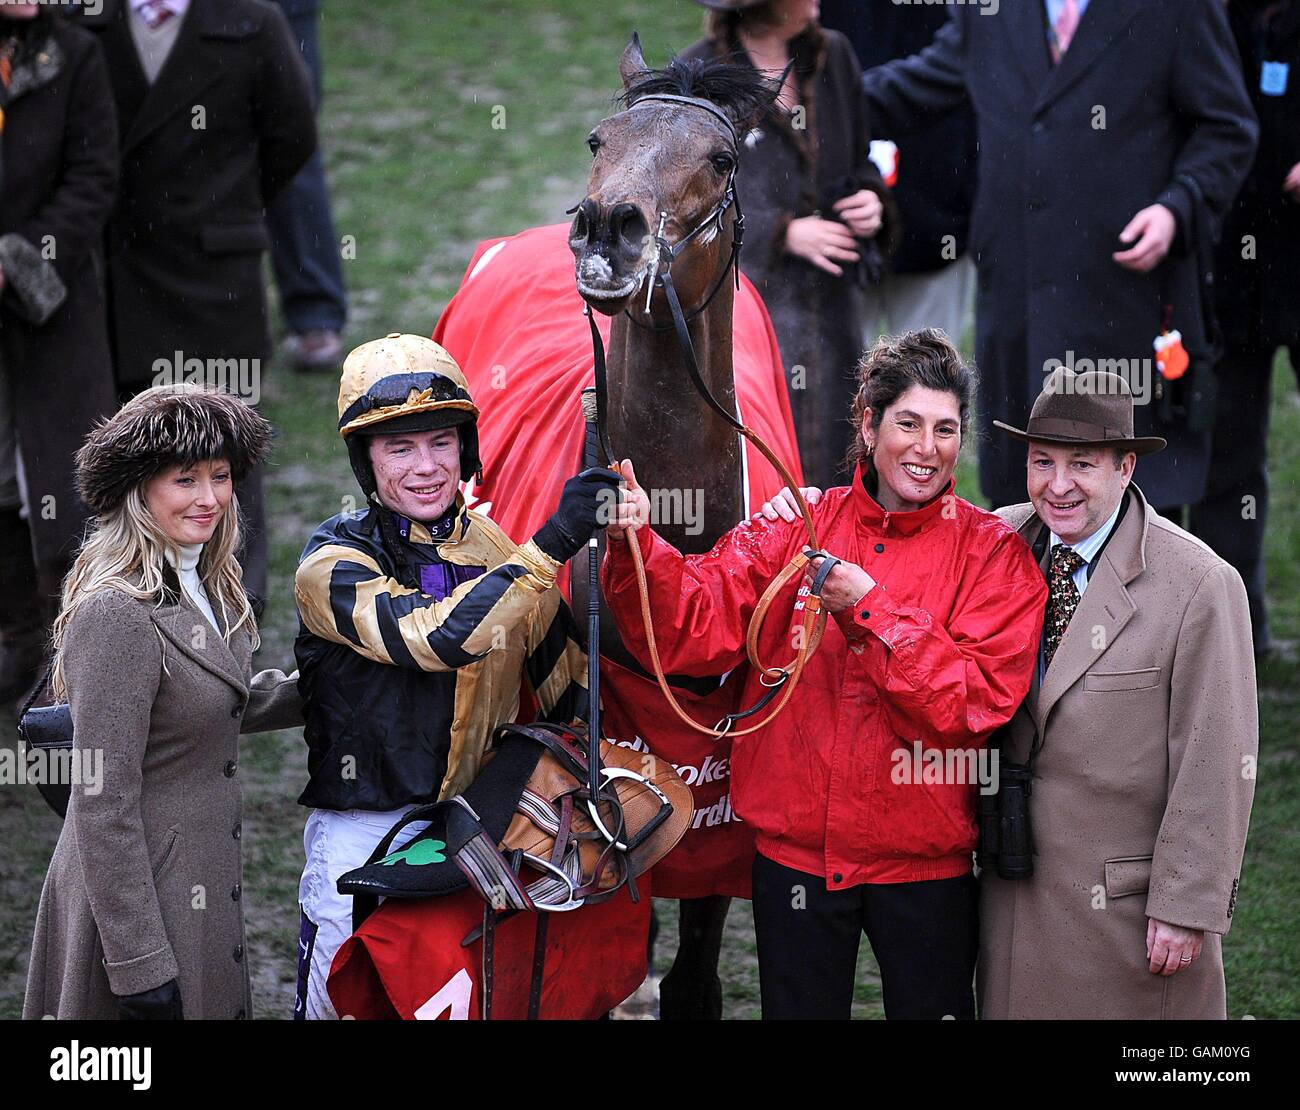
(587, 503)
(160, 1004)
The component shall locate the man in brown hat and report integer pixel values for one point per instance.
(1140, 731)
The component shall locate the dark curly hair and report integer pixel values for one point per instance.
(896, 363)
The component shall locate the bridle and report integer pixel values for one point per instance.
(779, 680)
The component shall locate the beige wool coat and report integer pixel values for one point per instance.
(145, 884)
(1142, 789)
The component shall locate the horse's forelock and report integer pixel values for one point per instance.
(739, 90)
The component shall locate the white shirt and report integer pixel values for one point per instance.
(1087, 548)
(187, 570)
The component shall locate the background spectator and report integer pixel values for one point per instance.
(812, 201)
(1258, 297)
(1113, 138)
(931, 279)
(215, 116)
(58, 167)
(304, 249)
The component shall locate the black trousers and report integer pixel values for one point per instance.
(925, 937)
(1232, 515)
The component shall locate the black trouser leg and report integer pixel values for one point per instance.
(807, 943)
(1233, 513)
(925, 936)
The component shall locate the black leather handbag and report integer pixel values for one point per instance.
(48, 729)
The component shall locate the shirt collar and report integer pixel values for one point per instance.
(1088, 547)
(871, 514)
(448, 528)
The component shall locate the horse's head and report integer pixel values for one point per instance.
(663, 161)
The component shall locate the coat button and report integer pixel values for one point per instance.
(237, 831)
(879, 548)
(238, 953)
(229, 769)
(865, 615)
(235, 891)
(239, 708)
(837, 877)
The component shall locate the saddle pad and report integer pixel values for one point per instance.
(406, 961)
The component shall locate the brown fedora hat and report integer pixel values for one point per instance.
(1092, 409)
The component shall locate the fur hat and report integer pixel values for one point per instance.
(168, 424)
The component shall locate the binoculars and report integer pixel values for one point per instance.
(1006, 839)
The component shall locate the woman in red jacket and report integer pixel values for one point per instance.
(862, 792)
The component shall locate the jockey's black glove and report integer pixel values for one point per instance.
(588, 502)
(160, 1004)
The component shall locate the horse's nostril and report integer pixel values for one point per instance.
(628, 226)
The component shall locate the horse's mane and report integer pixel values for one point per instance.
(739, 90)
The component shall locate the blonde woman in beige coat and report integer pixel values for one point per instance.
(141, 915)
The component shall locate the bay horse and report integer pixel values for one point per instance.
(661, 170)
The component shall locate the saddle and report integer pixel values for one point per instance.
(527, 835)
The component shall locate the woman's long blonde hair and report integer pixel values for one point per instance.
(126, 550)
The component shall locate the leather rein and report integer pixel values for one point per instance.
(779, 680)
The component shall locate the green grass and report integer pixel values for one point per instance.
(419, 175)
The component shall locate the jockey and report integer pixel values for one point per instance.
(418, 620)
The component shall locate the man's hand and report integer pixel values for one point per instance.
(783, 507)
(1171, 948)
(821, 242)
(845, 584)
(1291, 186)
(1154, 229)
(633, 507)
(862, 211)
(586, 504)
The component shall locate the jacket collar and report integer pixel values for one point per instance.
(874, 518)
(185, 627)
(192, 66)
(1098, 27)
(1105, 608)
(450, 528)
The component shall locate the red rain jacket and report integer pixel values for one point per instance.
(941, 652)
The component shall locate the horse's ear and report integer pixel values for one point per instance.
(632, 64)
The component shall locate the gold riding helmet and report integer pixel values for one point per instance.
(404, 383)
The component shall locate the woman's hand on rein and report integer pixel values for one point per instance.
(633, 509)
(784, 507)
(844, 586)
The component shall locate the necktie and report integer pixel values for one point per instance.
(1067, 22)
(1062, 597)
(155, 13)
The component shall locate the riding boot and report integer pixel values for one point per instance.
(22, 616)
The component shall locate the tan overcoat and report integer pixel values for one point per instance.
(146, 880)
(1143, 786)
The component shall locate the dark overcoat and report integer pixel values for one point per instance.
(787, 172)
(1147, 106)
(1259, 260)
(222, 130)
(59, 166)
(146, 883)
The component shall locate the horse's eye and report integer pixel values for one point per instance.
(593, 144)
(723, 163)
